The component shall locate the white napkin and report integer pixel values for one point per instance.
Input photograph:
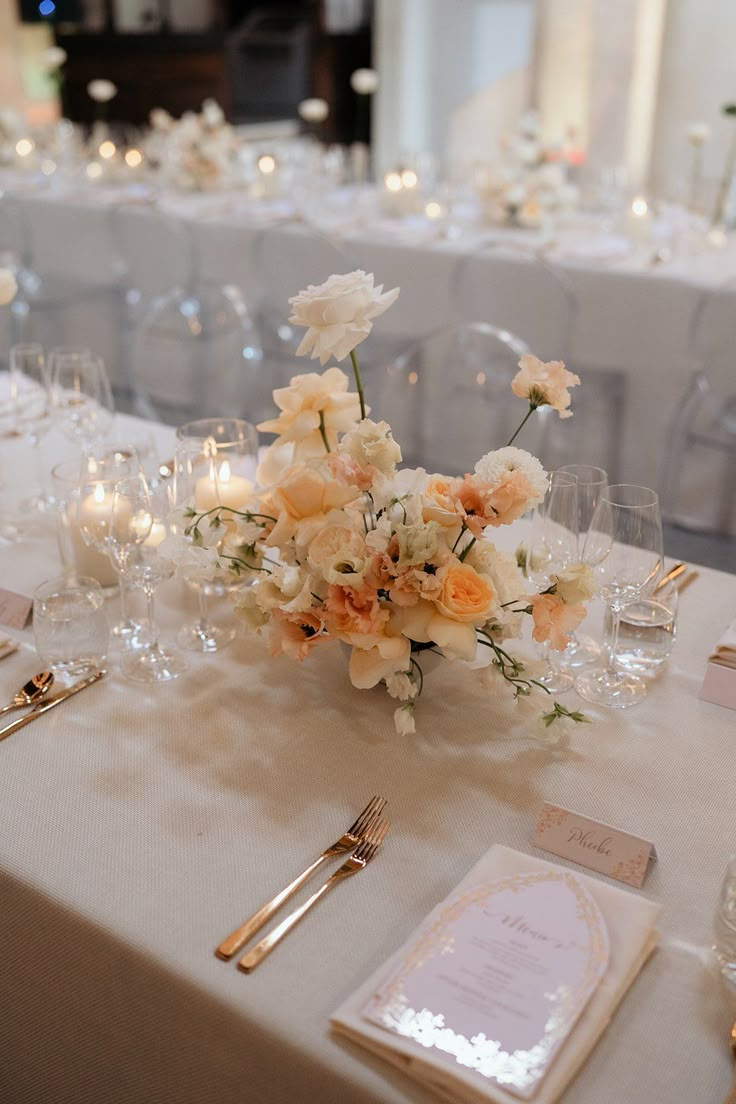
(632, 934)
(724, 652)
(7, 646)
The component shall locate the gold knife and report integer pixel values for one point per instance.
(9, 729)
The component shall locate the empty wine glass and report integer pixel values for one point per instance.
(592, 482)
(624, 548)
(81, 395)
(552, 547)
(92, 508)
(139, 524)
(30, 389)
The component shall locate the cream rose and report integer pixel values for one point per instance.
(311, 401)
(338, 314)
(339, 555)
(544, 384)
(371, 445)
(303, 493)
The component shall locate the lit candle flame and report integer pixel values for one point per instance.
(99, 494)
(224, 475)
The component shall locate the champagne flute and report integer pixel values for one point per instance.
(81, 396)
(592, 483)
(624, 548)
(553, 546)
(139, 524)
(32, 400)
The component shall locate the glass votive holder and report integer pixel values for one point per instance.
(77, 557)
(226, 467)
(647, 631)
(724, 925)
(70, 626)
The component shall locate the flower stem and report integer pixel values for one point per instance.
(524, 420)
(725, 185)
(466, 549)
(358, 382)
(322, 433)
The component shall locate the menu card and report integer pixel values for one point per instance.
(503, 990)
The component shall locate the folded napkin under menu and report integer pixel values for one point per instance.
(724, 652)
(590, 945)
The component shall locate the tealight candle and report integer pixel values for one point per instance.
(639, 221)
(221, 488)
(94, 514)
(268, 176)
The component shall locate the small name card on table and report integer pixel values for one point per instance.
(598, 846)
(15, 609)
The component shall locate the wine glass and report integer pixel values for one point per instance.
(139, 524)
(552, 547)
(592, 482)
(93, 517)
(81, 395)
(32, 401)
(624, 548)
(215, 466)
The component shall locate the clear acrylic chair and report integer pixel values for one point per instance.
(514, 286)
(195, 350)
(448, 397)
(699, 477)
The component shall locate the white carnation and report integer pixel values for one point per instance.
(401, 686)
(494, 465)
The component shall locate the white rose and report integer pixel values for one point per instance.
(364, 81)
(8, 286)
(371, 443)
(101, 91)
(575, 584)
(313, 110)
(338, 314)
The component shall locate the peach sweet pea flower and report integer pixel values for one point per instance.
(354, 610)
(338, 314)
(294, 634)
(309, 398)
(554, 620)
(304, 493)
(544, 384)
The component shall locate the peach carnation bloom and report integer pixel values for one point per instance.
(354, 610)
(554, 620)
(544, 384)
(476, 506)
(294, 634)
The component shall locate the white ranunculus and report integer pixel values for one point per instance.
(53, 58)
(8, 286)
(102, 91)
(313, 110)
(371, 443)
(338, 314)
(364, 81)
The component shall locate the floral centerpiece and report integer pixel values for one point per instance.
(341, 543)
(197, 152)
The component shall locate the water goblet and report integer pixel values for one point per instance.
(592, 482)
(81, 396)
(552, 547)
(139, 525)
(624, 548)
(30, 387)
(70, 627)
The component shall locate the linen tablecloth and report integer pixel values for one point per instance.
(139, 825)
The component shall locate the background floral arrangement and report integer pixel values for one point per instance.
(198, 151)
(342, 544)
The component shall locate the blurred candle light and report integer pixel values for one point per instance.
(107, 150)
(639, 206)
(393, 181)
(24, 146)
(48, 167)
(94, 170)
(266, 164)
(434, 210)
(133, 158)
(409, 178)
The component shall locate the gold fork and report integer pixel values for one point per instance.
(347, 842)
(357, 861)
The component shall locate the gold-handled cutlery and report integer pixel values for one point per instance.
(347, 842)
(731, 1098)
(358, 861)
(686, 580)
(670, 576)
(31, 692)
(51, 703)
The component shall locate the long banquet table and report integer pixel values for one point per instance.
(632, 316)
(139, 825)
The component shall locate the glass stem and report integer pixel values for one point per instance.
(203, 608)
(124, 600)
(41, 473)
(150, 614)
(613, 637)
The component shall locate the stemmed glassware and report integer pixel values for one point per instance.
(139, 525)
(592, 483)
(552, 547)
(624, 548)
(32, 402)
(215, 466)
(81, 395)
(92, 512)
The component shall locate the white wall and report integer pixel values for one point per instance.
(698, 75)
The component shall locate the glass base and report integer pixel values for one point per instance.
(555, 680)
(153, 665)
(581, 651)
(39, 504)
(131, 635)
(617, 689)
(206, 638)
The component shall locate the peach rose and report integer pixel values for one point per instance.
(441, 504)
(464, 594)
(554, 620)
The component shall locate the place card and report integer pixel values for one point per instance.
(594, 844)
(497, 977)
(15, 609)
